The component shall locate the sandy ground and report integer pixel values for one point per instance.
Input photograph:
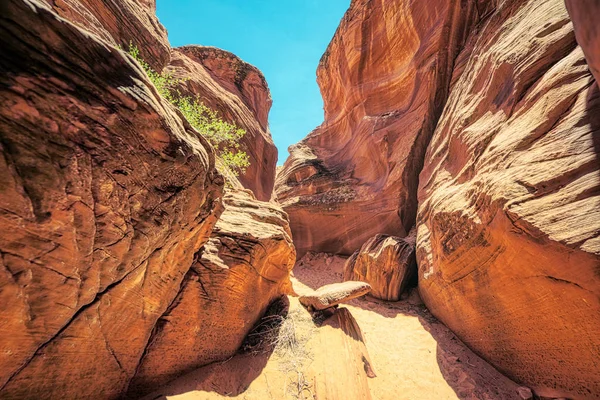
(414, 356)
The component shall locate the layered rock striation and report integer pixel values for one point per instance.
(387, 263)
(121, 23)
(239, 92)
(220, 79)
(584, 15)
(112, 242)
(509, 202)
(476, 121)
(384, 80)
(106, 193)
(243, 267)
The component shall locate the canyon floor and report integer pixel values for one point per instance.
(413, 355)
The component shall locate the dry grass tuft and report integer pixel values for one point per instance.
(285, 334)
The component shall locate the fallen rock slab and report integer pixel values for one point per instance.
(344, 351)
(331, 295)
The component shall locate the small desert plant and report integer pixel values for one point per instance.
(286, 335)
(225, 137)
(264, 335)
(164, 82)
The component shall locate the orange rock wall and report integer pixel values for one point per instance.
(108, 200)
(105, 195)
(120, 23)
(243, 268)
(509, 202)
(478, 122)
(240, 93)
(384, 80)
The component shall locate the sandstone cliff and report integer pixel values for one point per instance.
(236, 89)
(492, 103)
(106, 195)
(384, 80)
(509, 202)
(120, 23)
(243, 267)
(240, 93)
(108, 200)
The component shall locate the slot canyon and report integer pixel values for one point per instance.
(436, 237)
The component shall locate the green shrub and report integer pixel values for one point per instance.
(224, 136)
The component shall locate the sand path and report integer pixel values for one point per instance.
(414, 356)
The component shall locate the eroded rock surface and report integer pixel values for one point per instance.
(509, 202)
(509, 193)
(344, 358)
(242, 268)
(584, 14)
(333, 294)
(387, 263)
(108, 200)
(384, 80)
(105, 196)
(239, 92)
(236, 89)
(121, 22)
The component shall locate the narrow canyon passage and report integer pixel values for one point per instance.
(437, 236)
(413, 355)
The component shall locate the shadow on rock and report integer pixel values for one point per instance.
(470, 376)
(233, 376)
(593, 116)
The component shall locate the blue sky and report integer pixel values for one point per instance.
(283, 38)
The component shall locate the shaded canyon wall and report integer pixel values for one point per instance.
(116, 230)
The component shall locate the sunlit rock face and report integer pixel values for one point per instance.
(482, 117)
(384, 80)
(239, 92)
(236, 275)
(106, 194)
(234, 88)
(509, 202)
(387, 263)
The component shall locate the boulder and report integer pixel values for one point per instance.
(387, 263)
(106, 194)
(236, 275)
(331, 295)
(508, 242)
